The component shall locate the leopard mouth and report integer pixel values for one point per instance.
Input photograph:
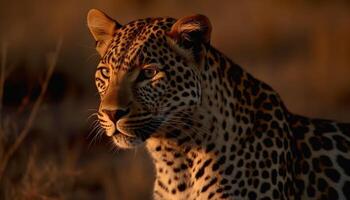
(130, 132)
(124, 133)
(138, 130)
(127, 141)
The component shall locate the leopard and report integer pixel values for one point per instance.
(212, 130)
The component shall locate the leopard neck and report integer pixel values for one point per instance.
(217, 132)
(182, 148)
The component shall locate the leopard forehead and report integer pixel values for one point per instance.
(138, 42)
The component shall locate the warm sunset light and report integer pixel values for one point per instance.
(176, 99)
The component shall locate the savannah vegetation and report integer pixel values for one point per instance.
(49, 146)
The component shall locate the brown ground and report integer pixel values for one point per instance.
(301, 48)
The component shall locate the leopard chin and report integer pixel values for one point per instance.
(125, 142)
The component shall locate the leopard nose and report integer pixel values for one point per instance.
(115, 115)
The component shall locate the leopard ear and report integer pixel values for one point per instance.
(191, 31)
(102, 29)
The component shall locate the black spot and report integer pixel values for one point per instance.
(326, 143)
(274, 157)
(235, 73)
(274, 99)
(312, 178)
(178, 79)
(268, 142)
(228, 187)
(221, 161)
(170, 163)
(233, 148)
(323, 126)
(223, 149)
(226, 136)
(264, 187)
(240, 163)
(162, 185)
(344, 163)
(176, 169)
(257, 103)
(276, 194)
(311, 191)
(183, 140)
(315, 143)
(244, 192)
(158, 148)
(341, 143)
(189, 162)
(201, 170)
(238, 175)
(300, 184)
(321, 184)
(305, 167)
(185, 94)
(299, 131)
(264, 116)
(229, 170)
(210, 147)
(274, 176)
(267, 106)
(183, 166)
(332, 194)
(173, 134)
(223, 181)
(305, 150)
(252, 195)
(182, 187)
(325, 161)
(346, 189)
(278, 114)
(224, 124)
(344, 127)
(212, 182)
(225, 195)
(332, 174)
(265, 174)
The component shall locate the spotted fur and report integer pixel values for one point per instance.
(213, 130)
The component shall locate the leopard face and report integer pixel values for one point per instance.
(144, 77)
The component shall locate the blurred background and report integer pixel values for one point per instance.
(48, 149)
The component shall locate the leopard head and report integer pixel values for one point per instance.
(149, 73)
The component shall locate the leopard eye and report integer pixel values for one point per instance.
(150, 72)
(105, 72)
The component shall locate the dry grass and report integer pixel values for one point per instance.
(35, 182)
(301, 48)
